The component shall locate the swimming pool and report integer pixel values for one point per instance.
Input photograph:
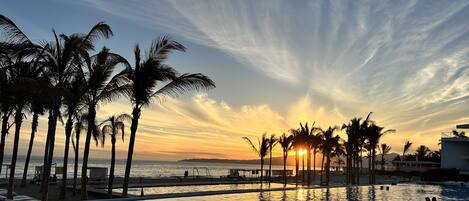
(408, 192)
(198, 188)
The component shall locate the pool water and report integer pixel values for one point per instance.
(198, 188)
(407, 192)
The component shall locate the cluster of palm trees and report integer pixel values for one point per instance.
(64, 78)
(422, 153)
(361, 136)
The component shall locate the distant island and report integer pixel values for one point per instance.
(275, 160)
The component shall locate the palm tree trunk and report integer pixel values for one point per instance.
(46, 151)
(133, 131)
(84, 167)
(113, 162)
(75, 168)
(18, 122)
(297, 166)
(314, 165)
(262, 170)
(328, 167)
(370, 170)
(285, 168)
(373, 155)
(34, 124)
(68, 134)
(322, 167)
(49, 153)
(270, 165)
(303, 169)
(308, 165)
(5, 117)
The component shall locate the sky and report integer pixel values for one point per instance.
(277, 63)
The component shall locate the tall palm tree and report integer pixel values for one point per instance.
(100, 86)
(80, 125)
(145, 75)
(330, 142)
(272, 142)
(23, 72)
(373, 135)
(297, 142)
(262, 149)
(315, 142)
(73, 100)
(407, 146)
(113, 126)
(64, 58)
(14, 49)
(308, 135)
(37, 108)
(385, 149)
(286, 144)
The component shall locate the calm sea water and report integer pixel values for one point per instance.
(407, 192)
(153, 169)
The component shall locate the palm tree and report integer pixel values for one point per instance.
(262, 149)
(64, 58)
(308, 135)
(145, 76)
(458, 134)
(286, 144)
(100, 86)
(422, 152)
(73, 102)
(407, 146)
(112, 127)
(297, 142)
(385, 149)
(37, 108)
(373, 135)
(315, 142)
(272, 142)
(23, 72)
(330, 142)
(80, 125)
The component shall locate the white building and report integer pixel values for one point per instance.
(455, 152)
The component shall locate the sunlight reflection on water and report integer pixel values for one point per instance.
(408, 192)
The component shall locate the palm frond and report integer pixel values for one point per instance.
(253, 147)
(161, 48)
(185, 83)
(12, 31)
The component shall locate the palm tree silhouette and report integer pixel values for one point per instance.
(64, 57)
(80, 125)
(407, 146)
(20, 72)
(330, 142)
(37, 107)
(297, 142)
(422, 152)
(73, 100)
(272, 142)
(101, 86)
(286, 144)
(262, 149)
(373, 135)
(385, 149)
(112, 126)
(145, 75)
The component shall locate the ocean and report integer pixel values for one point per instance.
(151, 169)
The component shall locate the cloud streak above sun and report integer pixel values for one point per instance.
(407, 61)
